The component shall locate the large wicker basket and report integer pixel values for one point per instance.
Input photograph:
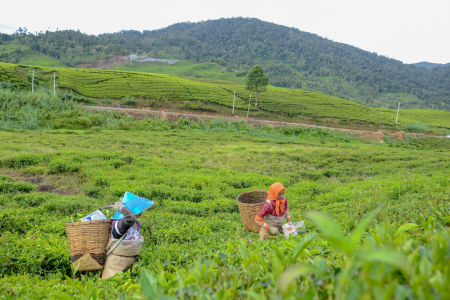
(250, 203)
(87, 243)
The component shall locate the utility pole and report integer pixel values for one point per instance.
(32, 83)
(248, 110)
(234, 99)
(381, 110)
(397, 113)
(54, 83)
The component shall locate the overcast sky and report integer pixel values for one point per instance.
(407, 30)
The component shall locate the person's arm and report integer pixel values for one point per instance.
(122, 225)
(287, 215)
(260, 216)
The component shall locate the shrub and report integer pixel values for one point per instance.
(416, 127)
(62, 166)
(35, 253)
(36, 170)
(84, 122)
(4, 178)
(101, 181)
(30, 200)
(95, 129)
(70, 205)
(23, 160)
(117, 163)
(92, 191)
(130, 101)
(14, 187)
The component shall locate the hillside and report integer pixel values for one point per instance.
(291, 57)
(154, 88)
(429, 65)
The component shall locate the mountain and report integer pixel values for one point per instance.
(429, 65)
(292, 58)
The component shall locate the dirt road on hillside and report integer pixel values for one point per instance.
(173, 116)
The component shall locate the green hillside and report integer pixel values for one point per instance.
(279, 101)
(292, 58)
(184, 69)
(23, 55)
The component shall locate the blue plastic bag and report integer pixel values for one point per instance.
(134, 203)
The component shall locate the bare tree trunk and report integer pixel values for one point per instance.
(256, 97)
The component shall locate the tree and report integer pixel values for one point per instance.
(257, 81)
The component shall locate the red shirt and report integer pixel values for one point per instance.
(266, 209)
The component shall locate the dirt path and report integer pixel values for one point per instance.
(172, 116)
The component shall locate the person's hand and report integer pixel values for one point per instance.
(273, 230)
(118, 205)
(110, 205)
(290, 223)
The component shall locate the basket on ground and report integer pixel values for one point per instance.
(87, 243)
(250, 203)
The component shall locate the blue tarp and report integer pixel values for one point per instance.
(134, 203)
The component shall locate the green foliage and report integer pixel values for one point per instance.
(23, 160)
(130, 101)
(62, 166)
(257, 81)
(373, 231)
(416, 127)
(14, 187)
(31, 200)
(199, 106)
(442, 213)
(152, 87)
(34, 253)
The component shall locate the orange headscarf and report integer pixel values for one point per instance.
(273, 195)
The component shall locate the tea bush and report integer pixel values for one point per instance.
(154, 87)
(35, 253)
(62, 166)
(30, 200)
(195, 245)
(14, 187)
(68, 205)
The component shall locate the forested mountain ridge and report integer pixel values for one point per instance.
(292, 58)
(429, 65)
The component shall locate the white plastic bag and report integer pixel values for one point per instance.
(289, 230)
(96, 215)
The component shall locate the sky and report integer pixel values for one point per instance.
(410, 31)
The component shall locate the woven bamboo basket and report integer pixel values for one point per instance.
(250, 203)
(87, 243)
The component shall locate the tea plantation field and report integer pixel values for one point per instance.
(381, 232)
(281, 102)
